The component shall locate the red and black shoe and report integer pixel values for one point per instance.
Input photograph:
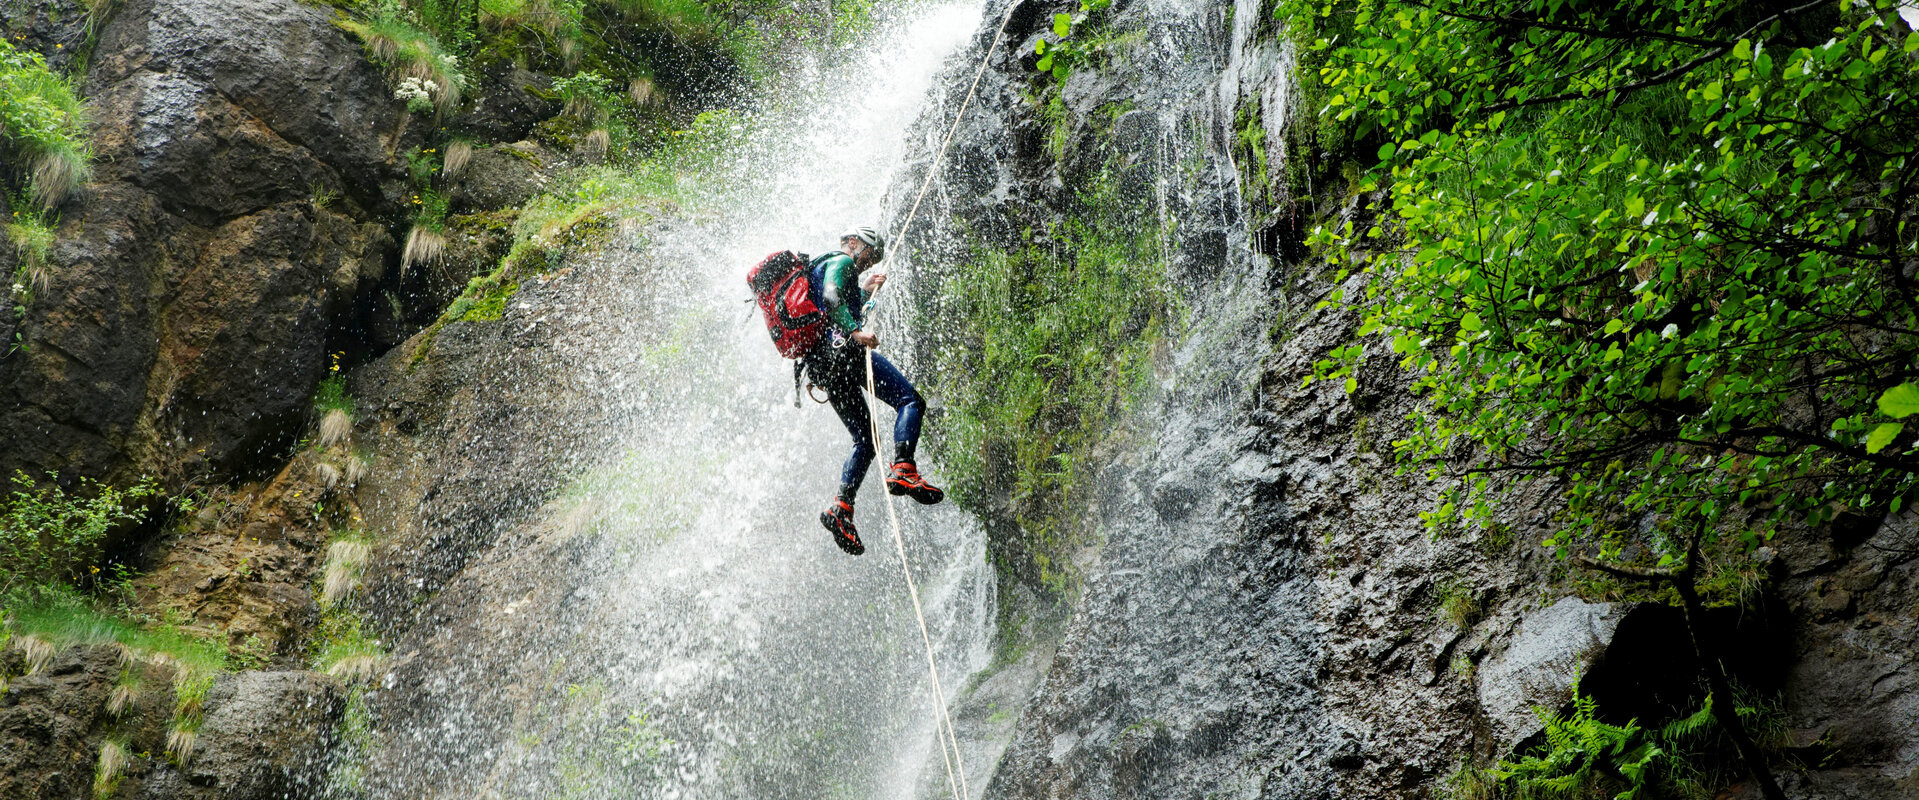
(838, 519)
(905, 479)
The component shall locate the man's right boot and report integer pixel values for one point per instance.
(905, 479)
(838, 519)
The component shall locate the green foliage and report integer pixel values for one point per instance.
(341, 647)
(1655, 251)
(32, 239)
(1054, 341)
(1581, 755)
(1584, 757)
(332, 395)
(49, 537)
(1074, 41)
(45, 149)
(423, 71)
(65, 618)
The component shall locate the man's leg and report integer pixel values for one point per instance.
(895, 390)
(839, 376)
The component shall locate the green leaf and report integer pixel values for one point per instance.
(1470, 323)
(1062, 25)
(1045, 63)
(1387, 150)
(1882, 435)
(1900, 401)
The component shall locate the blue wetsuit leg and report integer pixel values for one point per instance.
(843, 375)
(895, 390)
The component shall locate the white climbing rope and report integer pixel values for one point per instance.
(943, 726)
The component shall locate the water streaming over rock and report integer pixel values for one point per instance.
(675, 624)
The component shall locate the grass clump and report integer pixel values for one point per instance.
(342, 648)
(423, 72)
(335, 409)
(43, 130)
(346, 560)
(111, 766)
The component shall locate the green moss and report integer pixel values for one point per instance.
(1054, 345)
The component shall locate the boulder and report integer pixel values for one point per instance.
(266, 735)
(499, 177)
(243, 158)
(1541, 662)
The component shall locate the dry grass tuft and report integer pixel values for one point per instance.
(180, 744)
(423, 247)
(38, 652)
(596, 144)
(458, 153)
(56, 175)
(113, 762)
(356, 470)
(356, 668)
(642, 91)
(335, 428)
(345, 564)
(121, 698)
(327, 474)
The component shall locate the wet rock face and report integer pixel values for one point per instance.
(194, 284)
(267, 734)
(56, 29)
(1540, 664)
(264, 735)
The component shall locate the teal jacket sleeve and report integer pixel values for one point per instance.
(841, 285)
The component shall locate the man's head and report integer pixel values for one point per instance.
(865, 245)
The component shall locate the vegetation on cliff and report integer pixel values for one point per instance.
(44, 156)
(1661, 254)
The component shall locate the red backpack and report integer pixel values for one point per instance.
(784, 291)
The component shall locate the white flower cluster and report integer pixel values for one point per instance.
(19, 289)
(413, 89)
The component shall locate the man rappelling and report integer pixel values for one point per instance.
(815, 311)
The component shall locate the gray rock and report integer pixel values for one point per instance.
(195, 283)
(283, 62)
(1539, 666)
(499, 177)
(266, 735)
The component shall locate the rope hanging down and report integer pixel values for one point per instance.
(943, 727)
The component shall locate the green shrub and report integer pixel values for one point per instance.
(49, 537)
(43, 130)
(1583, 757)
(1662, 268)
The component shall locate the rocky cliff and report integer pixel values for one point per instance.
(1247, 604)
(1263, 612)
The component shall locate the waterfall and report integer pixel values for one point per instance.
(676, 624)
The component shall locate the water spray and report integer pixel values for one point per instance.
(955, 768)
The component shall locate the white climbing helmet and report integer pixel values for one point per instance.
(872, 238)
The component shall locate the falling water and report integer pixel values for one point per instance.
(689, 630)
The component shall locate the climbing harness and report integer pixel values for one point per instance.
(955, 768)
